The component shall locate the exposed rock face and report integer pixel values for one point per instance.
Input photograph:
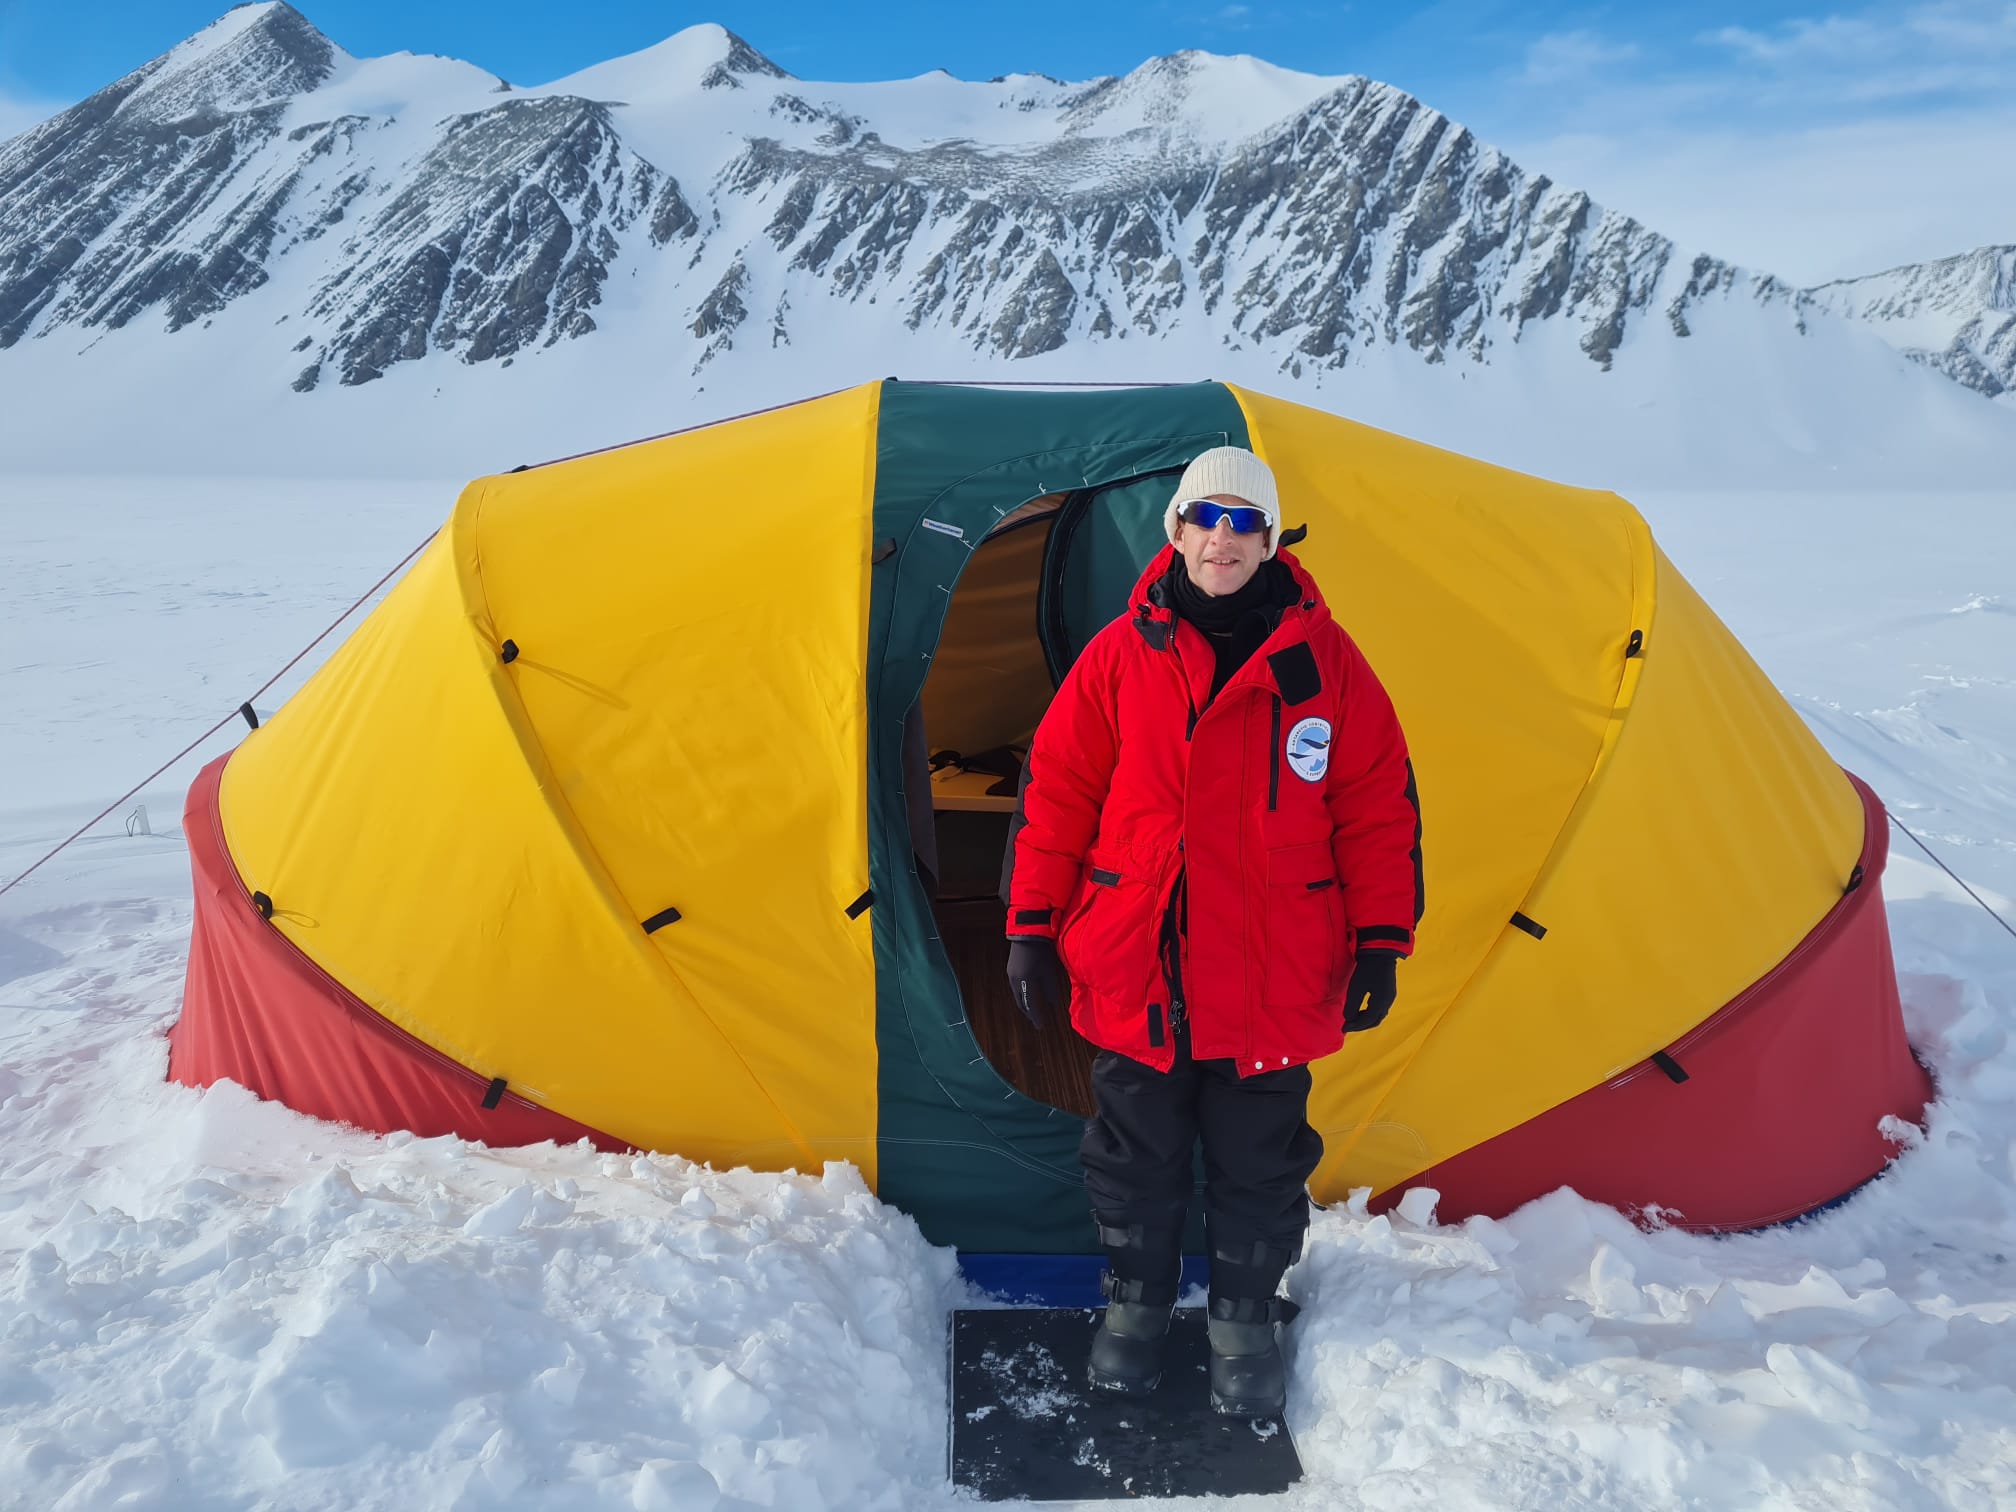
(1957, 315)
(502, 237)
(1357, 220)
(156, 191)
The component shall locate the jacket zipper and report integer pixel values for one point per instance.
(1274, 758)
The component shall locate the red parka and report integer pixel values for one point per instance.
(1286, 805)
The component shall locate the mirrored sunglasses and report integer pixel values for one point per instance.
(1245, 519)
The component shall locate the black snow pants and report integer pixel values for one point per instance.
(1259, 1152)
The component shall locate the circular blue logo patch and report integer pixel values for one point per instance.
(1308, 749)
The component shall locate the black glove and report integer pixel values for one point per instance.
(1036, 977)
(1373, 987)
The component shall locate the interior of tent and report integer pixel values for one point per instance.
(1038, 587)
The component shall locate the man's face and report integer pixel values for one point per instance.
(1220, 560)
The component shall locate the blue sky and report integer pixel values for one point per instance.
(1809, 139)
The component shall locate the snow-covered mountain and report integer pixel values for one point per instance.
(1336, 215)
(339, 219)
(1957, 315)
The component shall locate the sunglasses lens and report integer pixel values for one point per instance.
(1243, 518)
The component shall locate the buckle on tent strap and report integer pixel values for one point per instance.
(264, 904)
(510, 651)
(1636, 644)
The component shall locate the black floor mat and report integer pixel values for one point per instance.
(1025, 1424)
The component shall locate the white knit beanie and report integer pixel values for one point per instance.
(1229, 470)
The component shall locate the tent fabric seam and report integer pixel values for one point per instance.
(1624, 698)
(1817, 935)
(521, 1093)
(525, 735)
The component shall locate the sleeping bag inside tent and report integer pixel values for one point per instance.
(663, 803)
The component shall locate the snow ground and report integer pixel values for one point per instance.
(210, 1302)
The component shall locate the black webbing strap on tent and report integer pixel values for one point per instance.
(250, 715)
(494, 1094)
(860, 905)
(1538, 931)
(1674, 1071)
(659, 920)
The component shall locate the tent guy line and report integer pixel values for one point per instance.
(1956, 878)
(242, 710)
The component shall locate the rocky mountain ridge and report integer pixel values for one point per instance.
(374, 211)
(1957, 315)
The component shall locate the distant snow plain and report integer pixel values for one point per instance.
(207, 1301)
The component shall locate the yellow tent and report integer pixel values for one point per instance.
(620, 818)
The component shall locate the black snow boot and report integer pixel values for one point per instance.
(1130, 1349)
(1132, 1343)
(1248, 1376)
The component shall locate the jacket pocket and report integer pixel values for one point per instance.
(1107, 942)
(1305, 940)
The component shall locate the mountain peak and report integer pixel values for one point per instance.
(707, 55)
(250, 55)
(1227, 97)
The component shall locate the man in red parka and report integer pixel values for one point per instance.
(1222, 850)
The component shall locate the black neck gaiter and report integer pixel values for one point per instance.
(1234, 623)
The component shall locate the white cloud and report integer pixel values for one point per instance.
(1568, 57)
(1835, 39)
(1971, 32)
(1809, 203)
(1820, 147)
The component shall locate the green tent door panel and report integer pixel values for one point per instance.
(1102, 540)
(980, 1165)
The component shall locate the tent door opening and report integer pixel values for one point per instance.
(1044, 581)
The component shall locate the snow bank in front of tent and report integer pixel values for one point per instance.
(206, 1301)
(212, 1298)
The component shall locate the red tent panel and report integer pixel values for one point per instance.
(1778, 1115)
(258, 1011)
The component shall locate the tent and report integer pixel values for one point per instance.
(662, 804)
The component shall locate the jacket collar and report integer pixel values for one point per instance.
(1156, 620)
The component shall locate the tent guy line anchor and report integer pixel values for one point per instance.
(242, 711)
